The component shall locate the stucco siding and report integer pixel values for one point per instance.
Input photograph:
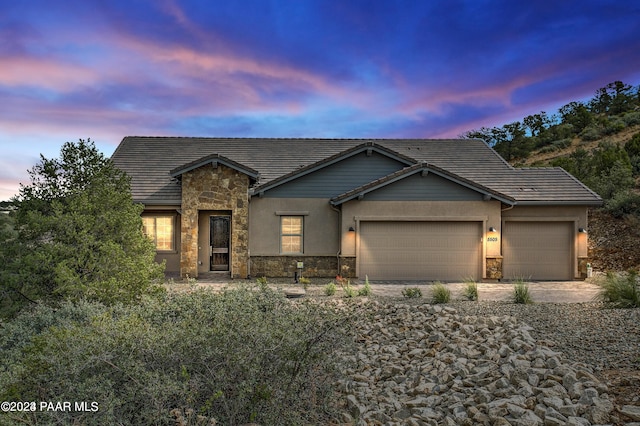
(334, 179)
(421, 188)
(320, 233)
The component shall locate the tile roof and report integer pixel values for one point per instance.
(149, 161)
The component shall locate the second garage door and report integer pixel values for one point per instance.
(448, 251)
(538, 250)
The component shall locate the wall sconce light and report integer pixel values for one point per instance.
(582, 230)
(492, 229)
(352, 229)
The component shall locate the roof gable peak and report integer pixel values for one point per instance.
(214, 160)
(368, 147)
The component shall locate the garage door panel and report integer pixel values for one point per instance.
(538, 250)
(420, 250)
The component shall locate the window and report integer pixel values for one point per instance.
(160, 230)
(291, 234)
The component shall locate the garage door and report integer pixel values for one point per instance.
(538, 250)
(420, 250)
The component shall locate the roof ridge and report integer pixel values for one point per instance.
(292, 138)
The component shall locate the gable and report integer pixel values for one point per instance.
(423, 188)
(338, 177)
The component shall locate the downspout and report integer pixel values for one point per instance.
(339, 211)
(248, 235)
(508, 208)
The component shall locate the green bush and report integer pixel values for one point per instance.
(366, 290)
(330, 289)
(78, 235)
(304, 281)
(591, 133)
(623, 203)
(239, 356)
(521, 293)
(631, 119)
(440, 293)
(349, 291)
(412, 292)
(471, 290)
(621, 289)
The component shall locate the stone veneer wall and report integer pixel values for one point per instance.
(582, 267)
(314, 266)
(494, 268)
(220, 188)
(285, 266)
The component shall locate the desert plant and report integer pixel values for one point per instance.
(366, 290)
(440, 293)
(471, 290)
(262, 283)
(201, 352)
(521, 294)
(304, 281)
(411, 292)
(621, 289)
(349, 291)
(330, 289)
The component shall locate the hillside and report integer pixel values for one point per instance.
(541, 158)
(614, 242)
(598, 141)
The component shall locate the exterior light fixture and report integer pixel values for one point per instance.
(492, 229)
(352, 229)
(582, 230)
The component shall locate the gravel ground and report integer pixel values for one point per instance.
(607, 339)
(586, 332)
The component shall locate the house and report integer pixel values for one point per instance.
(388, 209)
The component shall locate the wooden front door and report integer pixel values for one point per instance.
(220, 230)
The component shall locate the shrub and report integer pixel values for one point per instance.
(562, 143)
(304, 281)
(623, 203)
(440, 293)
(349, 291)
(621, 289)
(521, 293)
(262, 283)
(239, 356)
(78, 234)
(366, 290)
(330, 289)
(411, 292)
(631, 119)
(471, 290)
(591, 133)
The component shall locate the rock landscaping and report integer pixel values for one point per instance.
(423, 364)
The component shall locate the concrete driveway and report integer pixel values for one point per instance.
(547, 291)
(541, 292)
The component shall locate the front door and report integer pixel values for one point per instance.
(219, 242)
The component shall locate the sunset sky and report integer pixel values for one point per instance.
(297, 68)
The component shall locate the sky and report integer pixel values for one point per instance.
(108, 69)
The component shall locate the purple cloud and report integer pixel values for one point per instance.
(315, 68)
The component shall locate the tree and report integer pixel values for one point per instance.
(537, 123)
(576, 114)
(79, 234)
(509, 140)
